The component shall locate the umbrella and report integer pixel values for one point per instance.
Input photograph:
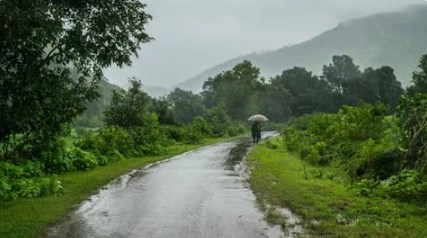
(258, 117)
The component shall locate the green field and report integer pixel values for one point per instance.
(327, 204)
(31, 217)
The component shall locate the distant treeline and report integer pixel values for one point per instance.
(241, 91)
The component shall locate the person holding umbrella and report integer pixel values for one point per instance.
(256, 126)
(256, 131)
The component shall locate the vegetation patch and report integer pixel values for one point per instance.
(328, 205)
(31, 217)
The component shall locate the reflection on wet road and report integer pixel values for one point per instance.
(195, 194)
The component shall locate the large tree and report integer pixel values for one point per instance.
(419, 78)
(186, 105)
(381, 85)
(340, 71)
(52, 53)
(238, 89)
(128, 108)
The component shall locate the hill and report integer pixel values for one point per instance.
(396, 39)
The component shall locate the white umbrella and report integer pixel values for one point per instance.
(257, 117)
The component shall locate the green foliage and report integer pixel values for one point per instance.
(163, 108)
(94, 113)
(271, 145)
(41, 40)
(197, 131)
(56, 159)
(366, 187)
(237, 90)
(235, 128)
(148, 140)
(186, 105)
(359, 138)
(15, 182)
(128, 108)
(218, 120)
(109, 141)
(83, 160)
(294, 93)
(175, 133)
(276, 179)
(409, 185)
(412, 115)
(419, 78)
(297, 91)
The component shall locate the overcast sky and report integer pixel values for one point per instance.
(194, 35)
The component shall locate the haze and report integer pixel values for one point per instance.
(194, 35)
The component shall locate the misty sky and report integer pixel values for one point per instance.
(194, 35)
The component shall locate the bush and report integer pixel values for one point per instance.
(56, 158)
(234, 129)
(361, 139)
(175, 133)
(83, 160)
(408, 185)
(194, 136)
(107, 141)
(11, 189)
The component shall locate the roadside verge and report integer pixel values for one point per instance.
(31, 217)
(327, 206)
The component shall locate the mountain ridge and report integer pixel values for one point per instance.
(394, 38)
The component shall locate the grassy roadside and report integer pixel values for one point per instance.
(30, 217)
(327, 206)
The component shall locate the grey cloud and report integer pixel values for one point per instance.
(193, 35)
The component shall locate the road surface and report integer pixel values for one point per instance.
(201, 193)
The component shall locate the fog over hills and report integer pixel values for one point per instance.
(397, 39)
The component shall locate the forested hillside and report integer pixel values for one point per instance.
(396, 39)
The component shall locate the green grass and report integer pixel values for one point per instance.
(278, 179)
(31, 217)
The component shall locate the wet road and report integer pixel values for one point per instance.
(197, 194)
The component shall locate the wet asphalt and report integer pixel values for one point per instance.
(201, 193)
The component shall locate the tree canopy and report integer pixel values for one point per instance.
(52, 54)
(238, 89)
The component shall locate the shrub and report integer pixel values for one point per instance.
(194, 136)
(361, 139)
(83, 160)
(175, 133)
(6, 189)
(408, 185)
(56, 157)
(366, 187)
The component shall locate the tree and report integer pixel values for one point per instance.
(164, 110)
(276, 102)
(51, 58)
(412, 114)
(389, 89)
(238, 89)
(419, 78)
(341, 70)
(186, 105)
(127, 109)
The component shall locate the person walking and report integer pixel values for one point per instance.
(256, 131)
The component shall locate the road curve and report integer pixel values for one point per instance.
(196, 194)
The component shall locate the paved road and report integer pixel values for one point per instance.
(196, 194)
